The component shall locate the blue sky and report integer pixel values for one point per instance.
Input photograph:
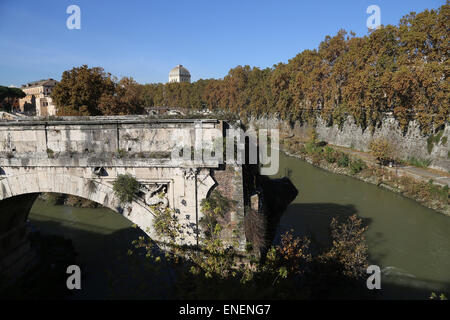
(144, 39)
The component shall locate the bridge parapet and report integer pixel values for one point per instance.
(104, 141)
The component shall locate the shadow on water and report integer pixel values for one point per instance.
(108, 271)
(313, 220)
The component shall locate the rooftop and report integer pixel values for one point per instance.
(39, 83)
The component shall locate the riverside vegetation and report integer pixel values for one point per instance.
(321, 155)
(293, 269)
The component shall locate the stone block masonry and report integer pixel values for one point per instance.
(412, 143)
(83, 156)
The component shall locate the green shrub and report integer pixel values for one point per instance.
(166, 224)
(125, 187)
(302, 149)
(343, 160)
(438, 192)
(311, 148)
(330, 154)
(434, 296)
(356, 166)
(316, 157)
(213, 207)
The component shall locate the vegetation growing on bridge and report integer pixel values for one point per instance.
(125, 187)
(213, 207)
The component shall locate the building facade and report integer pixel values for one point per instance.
(179, 74)
(38, 101)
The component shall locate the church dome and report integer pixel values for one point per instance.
(179, 74)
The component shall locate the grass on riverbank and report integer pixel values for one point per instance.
(421, 163)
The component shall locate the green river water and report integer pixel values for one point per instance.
(410, 243)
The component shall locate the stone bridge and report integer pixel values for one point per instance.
(83, 157)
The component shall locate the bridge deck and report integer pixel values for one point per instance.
(121, 141)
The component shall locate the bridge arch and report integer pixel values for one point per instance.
(95, 190)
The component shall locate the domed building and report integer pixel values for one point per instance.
(179, 74)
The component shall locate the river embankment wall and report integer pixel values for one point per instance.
(410, 143)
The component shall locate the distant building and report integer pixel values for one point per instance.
(38, 99)
(179, 74)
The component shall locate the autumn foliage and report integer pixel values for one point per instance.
(401, 69)
(382, 149)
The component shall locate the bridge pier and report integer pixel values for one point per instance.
(15, 251)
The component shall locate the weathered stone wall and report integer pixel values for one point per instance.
(411, 144)
(83, 157)
(230, 185)
(118, 142)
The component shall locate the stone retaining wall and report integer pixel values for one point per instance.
(413, 143)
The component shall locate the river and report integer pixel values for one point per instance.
(410, 243)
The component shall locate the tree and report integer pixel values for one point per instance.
(382, 149)
(127, 98)
(80, 89)
(349, 249)
(7, 94)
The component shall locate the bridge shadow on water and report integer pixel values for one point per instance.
(313, 220)
(108, 270)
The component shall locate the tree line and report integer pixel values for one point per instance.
(401, 69)
(7, 97)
